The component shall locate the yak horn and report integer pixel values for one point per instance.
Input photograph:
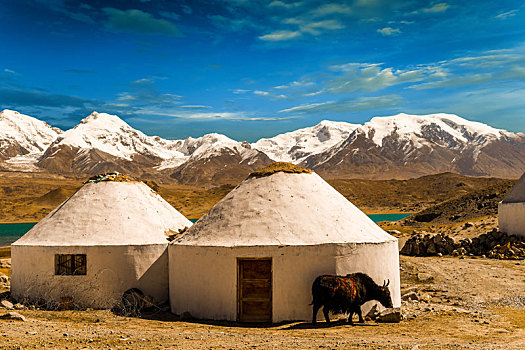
(387, 283)
(384, 283)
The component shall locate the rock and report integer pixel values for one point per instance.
(394, 232)
(410, 289)
(424, 277)
(468, 224)
(392, 315)
(426, 298)
(5, 263)
(410, 296)
(373, 313)
(6, 304)
(19, 306)
(12, 316)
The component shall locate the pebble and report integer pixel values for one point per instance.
(6, 304)
(13, 316)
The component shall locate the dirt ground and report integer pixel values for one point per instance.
(469, 303)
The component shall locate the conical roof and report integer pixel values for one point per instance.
(108, 213)
(283, 208)
(517, 193)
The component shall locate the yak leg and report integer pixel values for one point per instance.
(326, 316)
(350, 316)
(316, 308)
(358, 311)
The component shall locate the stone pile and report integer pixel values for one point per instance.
(494, 244)
(4, 281)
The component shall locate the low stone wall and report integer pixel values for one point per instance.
(494, 244)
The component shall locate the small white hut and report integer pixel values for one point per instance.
(511, 210)
(254, 255)
(105, 239)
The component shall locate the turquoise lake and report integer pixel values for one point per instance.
(11, 232)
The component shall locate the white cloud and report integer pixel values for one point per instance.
(138, 21)
(507, 14)
(332, 8)
(295, 84)
(7, 70)
(261, 93)
(347, 105)
(237, 116)
(370, 77)
(436, 8)
(315, 28)
(125, 96)
(240, 91)
(196, 106)
(388, 31)
(280, 35)
(284, 4)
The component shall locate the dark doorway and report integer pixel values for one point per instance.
(254, 290)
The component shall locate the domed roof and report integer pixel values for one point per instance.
(108, 213)
(517, 193)
(275, 207)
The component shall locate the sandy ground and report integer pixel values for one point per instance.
(470, 303)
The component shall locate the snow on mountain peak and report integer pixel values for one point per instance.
(296, 145)
(114, 136)
(30, 133)
(445, 129)
(213, 144)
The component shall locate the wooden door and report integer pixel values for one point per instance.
(254, 290)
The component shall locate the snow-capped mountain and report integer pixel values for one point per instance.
(296, 146)
(405, 145)
(23, 138)
(103, 142)
(215, 158)
(399, 146)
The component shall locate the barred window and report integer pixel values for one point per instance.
(70, 264)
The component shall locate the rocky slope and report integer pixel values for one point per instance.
(296, 146)
(405, 146)
(103, 142)
(23, 139)
(216, 159)
(396, 147)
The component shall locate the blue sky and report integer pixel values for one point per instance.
(252, 69)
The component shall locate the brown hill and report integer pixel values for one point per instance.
(411, 195)
(476, 204)
(360, 157)
(30, 196)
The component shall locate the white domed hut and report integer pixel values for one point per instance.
(254, 256)
(511, 210)
(107, 238)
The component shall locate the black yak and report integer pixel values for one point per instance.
(346, 294)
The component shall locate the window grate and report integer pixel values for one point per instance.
(70, 264)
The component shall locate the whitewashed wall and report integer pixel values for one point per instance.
(203, 280)
(511, 218)
(111, 270)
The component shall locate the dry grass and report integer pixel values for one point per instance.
(280, 167)
(115, 177)
(5, 252)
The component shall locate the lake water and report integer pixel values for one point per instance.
(11, 232)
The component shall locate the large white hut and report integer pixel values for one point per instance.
(105, 239)
(511, 210)
(255, 254)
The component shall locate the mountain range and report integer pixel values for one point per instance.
(395, 147)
